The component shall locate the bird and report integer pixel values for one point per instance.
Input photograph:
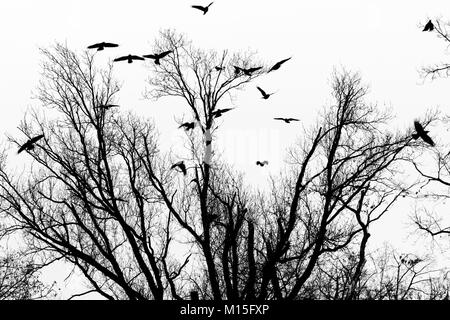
(248, 72)
(264, 94)
(422, 133)
(106, 106)
(187, 125)
(277, 65)
(287, 120)
(129, 58)
(157, 56)
(237, 70)
(218, 113)
(429, 26)
(204, 9)
(29, 145)
(218, 68)
(102, 45)
(262, 164)
(180, 165)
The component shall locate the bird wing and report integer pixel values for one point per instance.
(95, 46)
(258, 163)
(253, 69)
(427, 139)
(283, 61)
(23, 147)
(280, 119)
(199, 7)
(293, 119)
(262, 91)
(33, 140)
(121, 58)
(151, 56)
(163, 54)
(226, 109)
(210, 4)
(136, 57)
(418, 127)
(110, 45)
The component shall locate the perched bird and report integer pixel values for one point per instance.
(129, 58)
(157, 56)
(102, 45)
(218, 68)
(264, 94)
(262, 164)
(29, 145)
(287, 120)
(277, 65)
(107, 106)
(204, 9)
(429, 26)
(248, 72)
(420, 132)
(180, 165)
(187, 125)
(218, 113)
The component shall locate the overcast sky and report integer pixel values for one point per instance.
(380, 39)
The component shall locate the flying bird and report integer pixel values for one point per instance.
(248, 72)
(107, 106)
(264, 94)
(180, 165)
(237, 70)
(204, 9)
(102, 45)
(277, 65)
(157, 56)
(429, 26)
(262, 164)
(422, 133)
(218, 68)
(187, 125)
(218, 113)
(129, 58)
(29, 145)
(287, 120)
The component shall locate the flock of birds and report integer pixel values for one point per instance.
(157, 57)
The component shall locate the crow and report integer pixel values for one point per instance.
(287, 120)
(218, 68)
(420, 132)
(264, 94)
(102, 45)
(218, 113)
(187, 126)
(180, 165)
(277, 65)
(259, 163)
(129, 58)
(107, 106)
(204, 9)
(29, 145)
(157, 56)
(429, 26)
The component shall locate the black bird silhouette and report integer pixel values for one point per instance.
(248, 72)
(218, 113)
(180, 165)
(429, 26)
(264, 94)
(218, 68)
(422, 133)
(107, 106)
(277, 65)
(29, 145)
(129, 58)
(287, 120)
(237, 70)
(262, 164)
(204, 9)
(157, 56)
(187, 125)
(102, 45)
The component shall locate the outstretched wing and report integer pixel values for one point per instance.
(199, 8)
(253, 69)
(283, 119)
(35, 139)
(293, 119)
(262, 91)
(163, 54)
(283, 61)
(136, 57)
(210, 4)
(151, 56)
(418, 127)
(94, 46)
(427, 139)
(23, 147)
(124, 58)
(110, 45)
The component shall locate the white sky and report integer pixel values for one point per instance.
(381, 39)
